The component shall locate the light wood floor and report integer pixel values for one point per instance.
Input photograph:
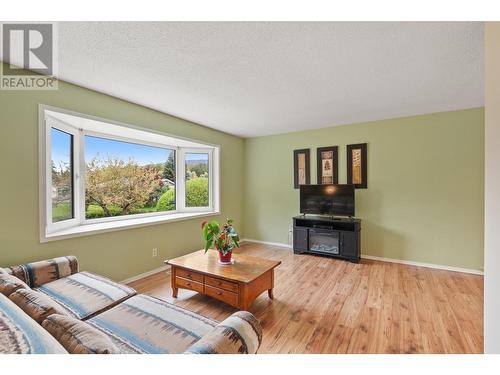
(322, 305)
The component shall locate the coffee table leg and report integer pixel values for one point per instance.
(172, 281)
(270, 291)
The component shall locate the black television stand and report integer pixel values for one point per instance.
(337, 237)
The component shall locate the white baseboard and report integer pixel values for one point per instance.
(381, 259)
(276, 244)
(426, 265)
(146, 274)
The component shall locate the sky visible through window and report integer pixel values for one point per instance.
(201, 157)
(60, 149)
(102, 148)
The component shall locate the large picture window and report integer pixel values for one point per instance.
(123, 178)
(100, 175)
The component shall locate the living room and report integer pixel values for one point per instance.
(252, 187)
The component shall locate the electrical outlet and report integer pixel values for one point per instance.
(155, 252)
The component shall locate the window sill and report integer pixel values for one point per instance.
(111, 226)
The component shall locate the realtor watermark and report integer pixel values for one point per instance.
(29, 55)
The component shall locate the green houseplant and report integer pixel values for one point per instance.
(224, 238)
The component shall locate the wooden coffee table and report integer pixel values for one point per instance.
(238, 284)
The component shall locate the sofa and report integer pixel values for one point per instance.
(52, 307)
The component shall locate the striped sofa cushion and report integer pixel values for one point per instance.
(38, 273)
(144, 324)
(85, 294)
(19, 334)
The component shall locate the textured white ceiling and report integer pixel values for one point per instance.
(254, 79)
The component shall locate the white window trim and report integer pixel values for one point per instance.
(54, 227)
(79, 225)
(181, 176)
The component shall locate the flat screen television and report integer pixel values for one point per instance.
(333, 200)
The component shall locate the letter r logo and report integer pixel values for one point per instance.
(29, 47)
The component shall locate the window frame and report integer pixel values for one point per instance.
(181, 194)
(75, 178)
(79, 224)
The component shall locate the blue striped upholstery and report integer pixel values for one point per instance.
(19, 334)
(85, 294)
(38, 273)
(240, 333)
(144, 324)
(134, 323)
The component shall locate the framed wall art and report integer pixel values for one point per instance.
(328, 165)
(357, 165)
(301, 172)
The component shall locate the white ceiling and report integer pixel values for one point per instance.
(254, 79)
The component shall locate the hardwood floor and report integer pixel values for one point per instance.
(322, 305)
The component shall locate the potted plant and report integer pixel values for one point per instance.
(224, 238)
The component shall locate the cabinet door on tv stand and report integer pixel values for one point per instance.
(300, 239)
(350, 248)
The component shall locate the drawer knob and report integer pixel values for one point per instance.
(219, 293)
(219, 283)
(188, 284)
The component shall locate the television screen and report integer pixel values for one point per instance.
(335, 200)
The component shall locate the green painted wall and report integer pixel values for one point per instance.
(424, 200)
(118, 254)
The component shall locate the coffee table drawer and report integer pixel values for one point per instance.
(221, 294)
(221, 284)
(189, 275)
(189, 284)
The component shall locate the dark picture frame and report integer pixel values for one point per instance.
(357, 162)
(327, 165)
(301, 168)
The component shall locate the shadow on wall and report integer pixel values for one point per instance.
(379, 241)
